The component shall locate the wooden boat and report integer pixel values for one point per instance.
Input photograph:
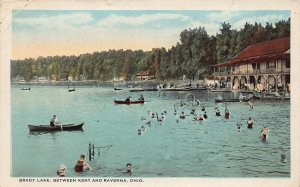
(177, 89)
(25, 88)
(270, 97)
(48, 128)
(129, 102)
(232, 100)
(143, 89)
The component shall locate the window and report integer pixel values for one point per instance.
(270, 65)
(287, 64)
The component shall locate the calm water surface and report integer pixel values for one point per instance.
(213, 148)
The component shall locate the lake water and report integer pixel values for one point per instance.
(213, 148)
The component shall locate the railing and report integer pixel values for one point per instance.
(252, 72)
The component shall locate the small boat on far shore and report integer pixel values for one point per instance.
(117, 88)
(48, 128)
(271, 96)
(219, 100)
(71, 89)
(129, 102)
(25, 88)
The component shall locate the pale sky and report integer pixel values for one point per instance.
(72, 32)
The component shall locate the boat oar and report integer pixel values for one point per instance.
(60, 124)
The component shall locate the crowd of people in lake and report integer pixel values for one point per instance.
(199, 114)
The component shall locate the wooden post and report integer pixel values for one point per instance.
(90, 154)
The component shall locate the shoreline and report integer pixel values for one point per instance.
(132, 84)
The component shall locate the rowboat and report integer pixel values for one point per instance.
(117, 88)
(232, 100)
(48, 128)
(129, 102)
(271, 97)
(25, 88)
(71, 89)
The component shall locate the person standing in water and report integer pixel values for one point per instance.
(227, 113)
(82, 165)
(250, 123)
(265, 133)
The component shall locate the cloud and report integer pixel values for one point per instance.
(114, 20)
(259, 19)
(58, 21)
(211, 27)
(223, 16)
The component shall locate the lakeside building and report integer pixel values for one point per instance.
(144, 76)
(262, 66)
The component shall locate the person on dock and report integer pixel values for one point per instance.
(82, 165)
(250, 123)
(61, 172)
(54, 121)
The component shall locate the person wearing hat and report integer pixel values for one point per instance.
(53, 121)
(62, 171)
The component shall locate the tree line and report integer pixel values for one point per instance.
(192, 56)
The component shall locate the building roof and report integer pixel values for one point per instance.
(259, 52)
(144, 73)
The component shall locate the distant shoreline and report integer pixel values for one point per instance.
(137, 83)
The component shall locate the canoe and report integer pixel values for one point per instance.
(129, 103)
(232, 100)
(48, 128)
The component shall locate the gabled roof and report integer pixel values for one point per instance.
(144, 73)
(271, 49)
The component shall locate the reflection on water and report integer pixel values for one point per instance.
(175, 148)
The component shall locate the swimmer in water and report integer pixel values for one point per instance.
(265, 133)
(250, 123)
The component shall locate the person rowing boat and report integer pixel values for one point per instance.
(54, 121)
